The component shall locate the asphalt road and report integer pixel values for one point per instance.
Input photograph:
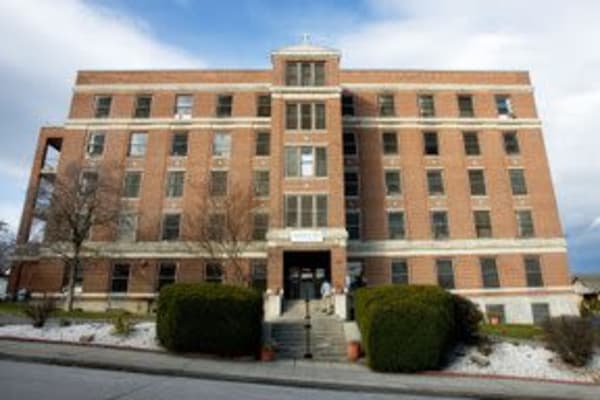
(25, 381)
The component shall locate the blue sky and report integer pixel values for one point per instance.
(44, 42)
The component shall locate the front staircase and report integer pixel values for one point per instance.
(327, 340)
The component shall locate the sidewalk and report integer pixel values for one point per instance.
(310, 374)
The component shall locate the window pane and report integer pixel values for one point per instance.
(291, 116)
(511, 143)
(390, 143)
(259, 275)
(292, 161)
(175, 181)
(263, 143)
(179, 144)
(503, 105)
(319, 73)
(386, 105)
(435, 183)
(347, 105)
(127, 227)
(102, 106)
(489, 273)
(171, 227)
(224, 105)
(353, 225)
(439, 222)
(320, 116)
(392, 183)
(137, 144)
(321, 210)
(291, 74)
(131, 184)
(396, 225)
(261, 226)
(495, 311)
(261, 183)
(306, 116)
(477, 182)
(306, 210)
(525, 223)
(307, 161)
(95, 145)
(218, 183)
(465, 106)
(221, 144)
(540, 312)
(166, 274)
(321, 154)
(533, 272)
(120, 278)
(143, 105)
(350, 148)
(483, 224)
(214, 273)
(264, 106)
(426, 106)
(445, 274)
(471, 143)
(291, 211)
(306, 74)
(400, 272)
(430, 140)
(351, 183)
(183, 105)
(517, 182)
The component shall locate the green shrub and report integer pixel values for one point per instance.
(571, 337)
(39, 311)
(405, 328)
(209, 318)
(468, 319)
(123, 324)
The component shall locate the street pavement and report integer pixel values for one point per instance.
(24, 381)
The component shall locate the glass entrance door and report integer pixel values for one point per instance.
(304, 274)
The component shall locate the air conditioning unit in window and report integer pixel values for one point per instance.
(182, 116)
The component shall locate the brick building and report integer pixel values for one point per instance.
(389, 176)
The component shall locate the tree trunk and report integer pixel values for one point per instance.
(73, 266)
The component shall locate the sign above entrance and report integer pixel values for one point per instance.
(306, 236)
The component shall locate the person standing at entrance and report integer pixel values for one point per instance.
(326, 297)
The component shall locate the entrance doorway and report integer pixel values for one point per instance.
(304, 272)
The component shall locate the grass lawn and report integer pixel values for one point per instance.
(17, 309)
(514, 331)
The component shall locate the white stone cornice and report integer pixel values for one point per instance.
(435, 87)
(168, 123)
(172, 87)
(437, 123)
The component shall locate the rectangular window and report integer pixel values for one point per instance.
(495, 312)
(439, 224)
(393, 186)
(319, 115)
(305, 73)
(170, 226)
(127, 227)
(540, 313)
(263, 105)
(175, 182)
(353, 225)
(305, 116)
(483, 223)
(305, 161)
(396, 228)
(445, 273)
(224, 105)
(351, 183)
(386, 106)
(291, 74)
(533, 272)
(306, 211)
(184, 104)
(347, 105)
(221, 144)
(525, 224)
(213, 272)
(426, 106)
(259, 275)
(489, 273)
(400, 272)
(216, 227)
(430, 144)
(435, 182)
(88, 182)
(137, 144)
(291, 116)
(477, 182)
(102, 106)
(503, 106)
(471, 143)
(260, 226)
(390, 143)
(120, 278)
(465, 106)
(263, 144)
(166, 274)
(350, 146)
(143, 105)
(179, 144)
(511, 143)
(261, 183)
(517, 182)
(218, 183)
(95, 144)
(131, 184)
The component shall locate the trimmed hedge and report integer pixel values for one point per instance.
(209, 318)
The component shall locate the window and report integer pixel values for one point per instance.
(305, 211)
(465, 106)
(119, 278)
(179, 144)
(503, 105)
(102, 106)
(540, 312)
(392, 183)
(347, 105)
(489, 273)
(477, 182)
(261, 183)
(183, 105)
(439, 224)
(351, 183)
(400, 272)
(95, 144)
(221, 144)
(517, 181)
(137, 144)
(305, 116)
(88, 182)
(386, 106)
(426, 106)
(143, 104)
(263, 143)
(127, 227)
(175, 182)
(390, 143)
(511, 143)
(260, 226)
(218, 183)
(216, 226)
(259, 275)
(166, 274)
(170, 227)
(131, 184)
(533, 272)
(445, 273)
(483, 223)
(495, 311)
(224, 105)
(263, 105)
(353, 225)
(350, 147)
(213, 273)
(435, 182)
(525, 224)
(396, 225)
(305, 73)
(305, 161)
(471, 142)
(430, 141)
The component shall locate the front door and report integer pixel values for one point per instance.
(304, 272)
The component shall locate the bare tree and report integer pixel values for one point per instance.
(7, 245)
(78, 200)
